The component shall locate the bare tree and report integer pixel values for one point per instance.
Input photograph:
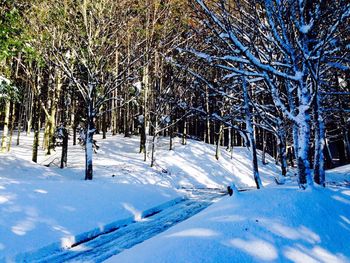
(273, 40)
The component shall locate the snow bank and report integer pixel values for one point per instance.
(37, 213)
(54, 208)
(340, 174)
(269, 225)
(187, 166)
(40, 207)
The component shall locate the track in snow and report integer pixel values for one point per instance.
(106, 245)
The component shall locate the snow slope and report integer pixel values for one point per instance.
(46, 206)
(192, 165)
(53, 208)
(339, 175)
(36, 211)
(269, 225)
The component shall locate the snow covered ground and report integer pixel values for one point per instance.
(269, 225)
(193, 165)
(49, 207)
(339, 175)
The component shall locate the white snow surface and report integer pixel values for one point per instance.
(269, 225)
(51, 207)
(339, 174)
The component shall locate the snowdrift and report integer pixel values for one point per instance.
(269, 225)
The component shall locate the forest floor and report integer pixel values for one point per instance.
(278, 224)
(46, 209)
(104, 246)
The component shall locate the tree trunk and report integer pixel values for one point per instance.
(49, 132)
(19, 125)
(217, 151)
(50, 125)
(277, 152)
(126, 94)
(126, 116)
(281, 138)
(89, 142)
(346, 144)
(143, 140)
(250, 131)
(104, 122)
(64, 148)
(153, 148)
(12, 125)
(74, 121)
(328, 155)
(144, 124)
(114, 118)
(207, 120)
(36, 122)
(295, 125)
(171, 138)
(345, 139)
(303, 163)
(264, 140)
(29, 109)
(254, 161)
(6, 127)
(319, 172)
(184, 134)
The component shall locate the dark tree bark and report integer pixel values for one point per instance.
(64, 148)
(36, 126)
(89, 142)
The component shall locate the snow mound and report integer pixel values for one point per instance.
(187, 166)
(340, 174)
(269, 225)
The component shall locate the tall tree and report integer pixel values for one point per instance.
(272, 40)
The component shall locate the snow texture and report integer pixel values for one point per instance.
(285, 225)
(57, 208)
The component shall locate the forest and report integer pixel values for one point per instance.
(272, 77)
(268, 75)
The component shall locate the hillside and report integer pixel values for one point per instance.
(47, 204)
